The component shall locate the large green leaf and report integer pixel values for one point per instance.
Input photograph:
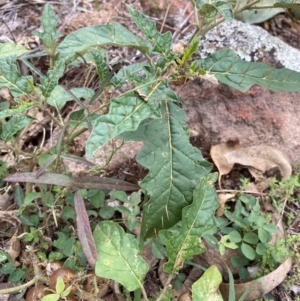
(126, 113)
(100, 35)
(207, 287)
(11, 78)
(12, 50)
(228, 68)
(175, 166)
(197, 219)
(118, 256)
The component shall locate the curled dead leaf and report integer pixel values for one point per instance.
(13, 248)
(222, 199)
(217, 153)
(260, 159)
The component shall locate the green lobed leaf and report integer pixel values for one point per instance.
(175, 166)
(11, 78)
(228, 68)
(162, 42)
(16, 110)
(15, 124)
(100, 35)
(11, 50)
(101, 65)
(118, 256)
(189, 51)
(49, 23)
(207, 287)
(197, 219)
(125, 114)
(59, 96)
(50, 81)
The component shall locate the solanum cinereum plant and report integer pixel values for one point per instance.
(179, 194)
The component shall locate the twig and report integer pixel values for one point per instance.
(166, 286)
(165, 17)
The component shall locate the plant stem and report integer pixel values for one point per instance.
(16, 289)
(166, 286)
(137, 295)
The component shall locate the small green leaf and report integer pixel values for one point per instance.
(50, 81)
(14, 125)
(3, 256)
(60, 285)
(11, 78)
(59, 96)
(68, 246)
(51, 297)
(96, 197)
(101, 65)
(188, 52)
(238, 262)
(19, 196)
(67, 213)
(161, 42)
(16, 275)
(158, 249)
(49, 22)
(30, 197)
(270, 228)
(261, 249)
(118, 256)
(210, 10)
(66, 292)
(107, 212)
(251, 238)
(263, 235)
(207, 287)
(222, 249)
(118, 195)
(230, 245)
(235, 236)
(248, 251)
(7, 268)
(211, 240)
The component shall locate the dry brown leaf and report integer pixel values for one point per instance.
(260, 158)
(218, 152)
(13, 248)
(223, 198)
(260, 286)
